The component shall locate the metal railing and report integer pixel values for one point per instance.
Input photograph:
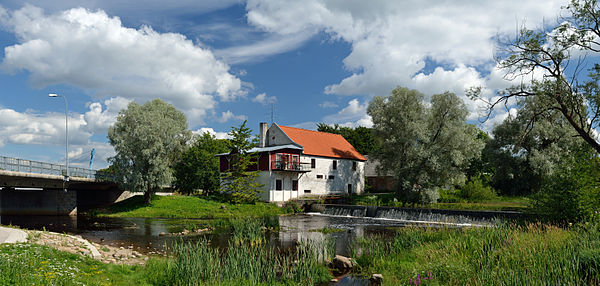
(28, 166)
(289, 166)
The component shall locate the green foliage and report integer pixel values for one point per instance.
(475, 190)
(239, 183)
(188, 207)
(533, 254)
(524, 154)
(361, 138)
(147, 140)
(241, 264)
(425, 147)
(30, 264)
(198, 167)
(573, 193)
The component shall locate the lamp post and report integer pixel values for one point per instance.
(66, 132)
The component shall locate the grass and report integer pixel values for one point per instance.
(533, 254)
(187, 207)
(328, 230)
(30, 264)
(500, 203)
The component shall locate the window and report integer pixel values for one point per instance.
(353, 166)
(349, 189)
(319, 176)
(294, 185)
(331, 177)
(313, 163)
(307, 191)
(278, 185)
(335, 164)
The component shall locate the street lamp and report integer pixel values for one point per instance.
(66, 132)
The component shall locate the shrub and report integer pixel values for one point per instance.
(571, 194)
(430, 196)
(475, 190)
(449, 196)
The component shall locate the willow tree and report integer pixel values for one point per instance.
(147, 140)
(424, 145)
(557, 66)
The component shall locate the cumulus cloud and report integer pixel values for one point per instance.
(98, 119)
(228, 115)
(353, 115)
(392, 42)
(94, 51)
(264, 99)
(218, 135)
(30, 128)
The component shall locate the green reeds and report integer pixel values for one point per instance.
(245, 261)
(533, 254)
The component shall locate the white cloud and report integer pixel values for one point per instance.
(98, 120)
(328, 104)
(228, 115)
(266, 47)
(218, 135)
(392, 42)
(97, 53)
(264, 99)
(353, 115)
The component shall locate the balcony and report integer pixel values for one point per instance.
(290, 166)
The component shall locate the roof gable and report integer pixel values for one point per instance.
(322, 143)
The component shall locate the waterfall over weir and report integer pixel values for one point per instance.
(429, 216)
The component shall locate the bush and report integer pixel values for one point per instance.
(450, 196)
(475, 190)
(430, 196)
(571, 194)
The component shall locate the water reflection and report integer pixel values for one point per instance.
(144, 234)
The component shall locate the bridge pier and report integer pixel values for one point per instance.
(38, 202)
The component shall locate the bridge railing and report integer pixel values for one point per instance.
(28, 166)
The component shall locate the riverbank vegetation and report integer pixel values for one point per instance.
(31, 264)
(187, 207)
(531, 254)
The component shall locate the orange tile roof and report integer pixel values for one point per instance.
(322, 143)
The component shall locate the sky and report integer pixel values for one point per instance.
(225, 61)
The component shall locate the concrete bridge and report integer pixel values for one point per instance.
(39, 188)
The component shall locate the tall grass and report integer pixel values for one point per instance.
(532, 254)
(247, 260)
(240, 264)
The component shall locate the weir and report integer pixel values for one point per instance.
(417, 215)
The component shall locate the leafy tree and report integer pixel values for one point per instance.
(239, 183)
(360, 137)
(423, 146)
(554, 60)
(198, 167)
(525, 154)
(147, 140)
(572, 193)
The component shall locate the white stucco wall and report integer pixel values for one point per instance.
(276, 136)
(342, 176)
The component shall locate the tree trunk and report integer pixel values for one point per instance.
(147, 196)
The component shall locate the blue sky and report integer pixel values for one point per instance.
(222, 62)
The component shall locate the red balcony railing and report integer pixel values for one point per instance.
(289, 166)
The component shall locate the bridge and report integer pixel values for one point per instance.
(39, 188)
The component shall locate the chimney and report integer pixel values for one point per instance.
(263, 134)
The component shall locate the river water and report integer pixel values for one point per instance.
(147, 235)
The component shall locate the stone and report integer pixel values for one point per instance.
(376, 279)
(223, 207)
(162, 233)
(342, 262)
(333, 280)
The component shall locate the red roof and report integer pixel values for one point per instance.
(322, 143)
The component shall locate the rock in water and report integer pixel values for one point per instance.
(342, 262)
(376, 279)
